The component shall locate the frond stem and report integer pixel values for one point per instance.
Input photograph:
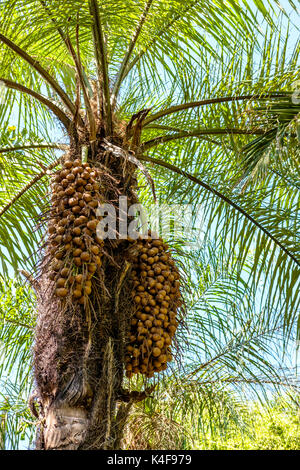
(34, 146)
(43, 72)
(195, 104)
(129, 51)
(160, 33)
(101, 60)
(66, 40)
(221, 196)
(197, 133)
(28, 186)
(50, 105)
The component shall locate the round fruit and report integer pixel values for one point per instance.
(85, 256)
(61, 292)
(92, 224)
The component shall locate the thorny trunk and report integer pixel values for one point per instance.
(101, 303)
(82, 378)
(79, 355)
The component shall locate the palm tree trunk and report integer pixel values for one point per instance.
(79, 354)
(79, 377)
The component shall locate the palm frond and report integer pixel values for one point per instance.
(221, 196)
(194, 104)
(280, 116)
(100, 54)
(56, 87)
(129, 51)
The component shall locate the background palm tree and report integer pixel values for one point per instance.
(213, 116)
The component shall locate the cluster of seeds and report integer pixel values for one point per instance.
(75, 249)
(156, 295)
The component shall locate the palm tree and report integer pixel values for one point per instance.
(117, 86)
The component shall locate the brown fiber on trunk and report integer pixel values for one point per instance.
(84, 338)
(79, 349)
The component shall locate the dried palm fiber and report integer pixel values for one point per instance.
(156, 295)
(80, 341)
(72, 337)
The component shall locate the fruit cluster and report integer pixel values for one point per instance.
(75, 249)
(156, 295)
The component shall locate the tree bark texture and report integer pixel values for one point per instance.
(79, 354)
